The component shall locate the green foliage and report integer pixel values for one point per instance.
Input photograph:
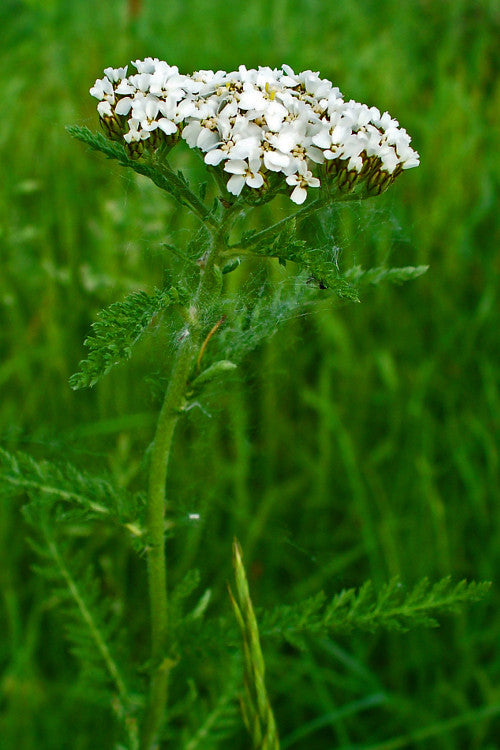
(216, 723)
(98, 142)
(398, 473)
(214, 372)
(391, 608)
(116, 330)
(92, 627)
(81, 495)
(156, 169)
(178, 598)
(257, 313)
(284, 243)
(380, 274)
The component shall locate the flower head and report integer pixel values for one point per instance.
(252, 122)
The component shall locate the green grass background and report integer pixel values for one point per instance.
(358, 442)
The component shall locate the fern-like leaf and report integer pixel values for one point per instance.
(91, 626)
(48, 484)
(392, 608)
(157, 171)
(116, 330)
(319, 263)
(218, 723)
(259, 316)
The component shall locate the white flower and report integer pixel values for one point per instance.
(370, 137)
(252, 98)
(198, 109)
(202, 135)
(125, 87)
(275, 113)
(146, 112)
(168, 83)
(389, 160)
(124, 106)
(115, 74)
(243, 172)
(206, 81)
(252, 121)
(313, 84)
(399, 138)
(276, 161)
(289, 78)
(386, 122)
(355, 163)
(302, 181)
(351, 146)
(245, 148)
(292, 142)
(146, 66)
(412, 160)
(141, 81)
(135, 133)
(103, 89)
(145, 108)
(135, 103)
(104, 109)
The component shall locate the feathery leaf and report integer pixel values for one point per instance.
(116, 330)
(91, 624)
(218, 723)
(392, 608)
(48, 484)
(158, 172)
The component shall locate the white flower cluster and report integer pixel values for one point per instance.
(265, 128)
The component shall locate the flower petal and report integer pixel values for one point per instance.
(255, 180)
(299, 195)
(235, 184)
(215, 157)
(124, 106)
(168, 127)
(236, 166)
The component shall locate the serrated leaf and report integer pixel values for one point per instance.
(219, 723)
(319, 263)
(157, 171)
(92, 625)
(48, 484)
(392, 607)
(115, 332)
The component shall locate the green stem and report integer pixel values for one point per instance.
(175, 401)
(266, 234)
(157, 569)
(191, 199)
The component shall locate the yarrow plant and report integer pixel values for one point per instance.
(260, 133)
(269, 130)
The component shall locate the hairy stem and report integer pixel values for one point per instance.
(175, 401)
(191, 199)
(157, 570)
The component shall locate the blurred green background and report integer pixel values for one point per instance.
(358, 442)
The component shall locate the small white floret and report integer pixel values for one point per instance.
(254, 121)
